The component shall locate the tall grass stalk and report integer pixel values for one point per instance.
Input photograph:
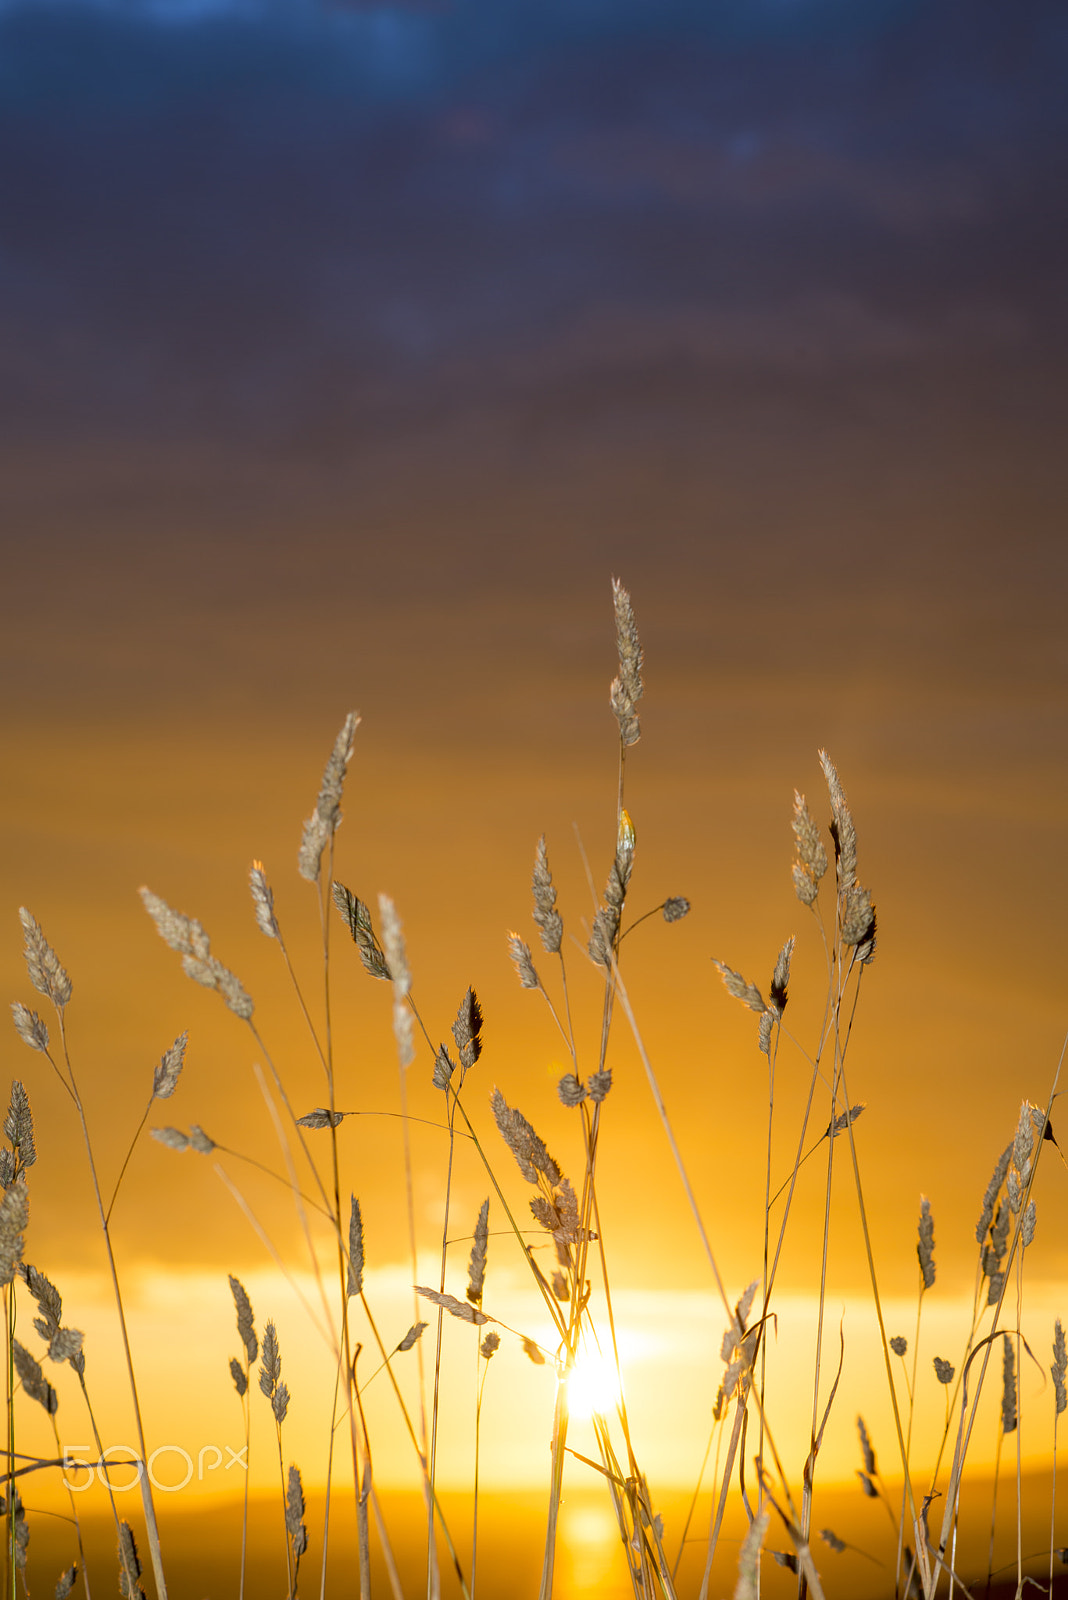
(49, 978)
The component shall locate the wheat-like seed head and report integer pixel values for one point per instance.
(1027, 1224)
(1008, 1385)
(18, 1125)
(187, 936)
(29, 1027)
(476, 1267)
(845, 833)
(326, 818)
(739, 987)
(811, 852)
(462, 1309)
(991, 1194)
(165, 1078)
(298, 1533)
(530, 1152)
(467, 1030)
(14, 1217)
(1059, 1368)
(129, 1565)
(270, 1360)
(262, 900)
(245, 1326)
(33, 1379)
(546, 916)
(627, 688)
(47, 974)
(355, 1277)
(925, 1247)
(523, 962)
(397, 962)
(358, 921)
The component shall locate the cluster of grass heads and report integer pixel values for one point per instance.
(567, 1252)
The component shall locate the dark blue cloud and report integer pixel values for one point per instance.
(241, 217)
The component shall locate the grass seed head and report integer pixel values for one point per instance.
(739, 987)
(1008, 1384)
(811, 851)
(548, 919)
(992, 1190)
(476, 1266)
(397, 961)
(523, 962)
(463, 1310)
(47, 975)
(1027, 1225)
(532, 1157)
(627, 687)
(295, 1512)
(129, 1565)
(675, 907)
(1059, 1368)
(166, 1075)
(925, 1246)
(270, 1361)
(29, 1027)
(33, 1379)
(858, 918)
(467, 1030)
(355, 1281)
(867, 1453)
(326, 818)
(262, 901)
(14, 1217)
(602, 942)
(843, 829)
(358, 921)
(18, 1126)
(571, 1091)
(1024, 1141)
(780, 978)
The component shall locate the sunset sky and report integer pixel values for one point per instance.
(347, 351)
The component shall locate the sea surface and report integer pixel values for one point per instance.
(202, 1548)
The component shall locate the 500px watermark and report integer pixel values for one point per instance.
(209, 1458)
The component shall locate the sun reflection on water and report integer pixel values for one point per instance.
(590, 1538)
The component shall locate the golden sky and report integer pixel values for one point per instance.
(376, 434)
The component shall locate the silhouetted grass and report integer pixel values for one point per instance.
(753, 1487)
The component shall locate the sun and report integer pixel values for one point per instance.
(593, 1385)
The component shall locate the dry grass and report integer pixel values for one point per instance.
(921, 1498)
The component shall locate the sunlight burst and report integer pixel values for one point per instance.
(593, 1385)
